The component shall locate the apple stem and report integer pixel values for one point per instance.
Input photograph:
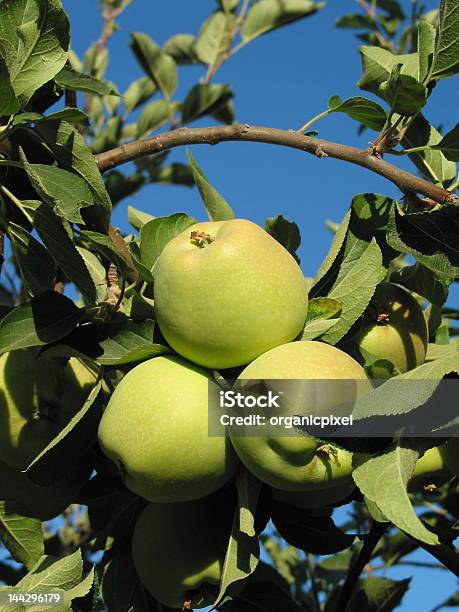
(187, 606)
(383, 318)
(201, 239)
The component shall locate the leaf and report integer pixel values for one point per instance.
(308, 531)
(367, 112)
(153, 117)
(426, 45)
(70, 150)
(321, 308)
(97, 272)
(36, 265)
(9, 104)
(446, 55)
(65, 191)
(422, 281)
(37, 36)
(377, 65)
(214, 37)
(137, 217)
(138, 92)
(104, 245)
(316, 328)
(80, 590)
(155, 234)
(449, 144)
(383, 480)
(433, 164)
(375, 594)
(331, 257)
(204, 99)
(45, 319)
(249, 489)
(63, 251)
(355, 289)
(217, 207)
(63, 452)
(51, 573)
(355, 22)
(405, 95)
(181, 48)
(267, 15)
(71, 79)
(22, 536)
(243, 551)
(286, 232)
(132, 344)
(432, 238)
(158, 65)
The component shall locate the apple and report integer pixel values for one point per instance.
(393, 328)
(177, 553)
(318, 498)
(295, 462)
(431, 470)
(226, 291)
(38, 396)
(155, 428)
(22, 497)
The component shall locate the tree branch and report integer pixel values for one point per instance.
(369, 544)
(448, 556)
(2, 248)
(405, 181)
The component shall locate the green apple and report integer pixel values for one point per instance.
(38, 396)
(177, 553)
(21, 496)
(431, 470)
(226, 292)
(394, 328)
(300, 463)
(318, 498)
(155, 428)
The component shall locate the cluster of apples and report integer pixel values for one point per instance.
(228, 297)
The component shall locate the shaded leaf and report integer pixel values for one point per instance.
(405, 95)
(286, 232)
(267, 15)
(217, 207)
(181, 48)
(71, 79)
(155, 234)
(204, 99)
(158, 65)
(449, 144)
(22, 536)
(360, 109)
(138, 92)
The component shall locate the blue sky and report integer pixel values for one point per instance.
(281, 80)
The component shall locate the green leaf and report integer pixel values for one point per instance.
(36, 37)
(267, 15)
(217, 207)
(51, 573)
(36, 265)
(63, 190)
(63, 452)
(446, 55)
(377, 65)
(70, 150)
(45, 319)
(214, 37)
(138, 92)
(97, 272)
(367, 112)
(181, 48)
(155, 234)
(243, 550)
(355, 21)
(354, 289)
(132, 344)
(383, 480)
(153, 117)
(109, 136)
(317, 327)
(138, 218)
(323, 308)
(63, 251)
(433, 164)
(158, 65)
(426, 46)
(331, 257)
(104, 245)
(228, 5)
(449, 144)
(375, 594)
(405, 95)
(9, 104)
(205, 99)
(431, 238)
(286, 232)
(71, 79)
(22, 536)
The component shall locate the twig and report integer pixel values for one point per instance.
(405, 181)
(369, 544)
(2, 248)
(449, 557)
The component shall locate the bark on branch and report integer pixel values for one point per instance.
(405, 181)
